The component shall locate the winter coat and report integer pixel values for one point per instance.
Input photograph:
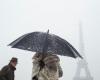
(7, 72)
(51, 70)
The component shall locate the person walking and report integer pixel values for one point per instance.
(7, 72)
(47, 68)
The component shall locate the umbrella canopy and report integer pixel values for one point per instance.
(45, 43)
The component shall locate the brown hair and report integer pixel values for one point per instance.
(14, 59)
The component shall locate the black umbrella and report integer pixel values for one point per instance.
(45, 43)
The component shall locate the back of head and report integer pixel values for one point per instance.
(51, 61)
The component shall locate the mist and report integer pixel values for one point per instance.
(61, 17)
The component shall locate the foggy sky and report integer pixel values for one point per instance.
(62, 17)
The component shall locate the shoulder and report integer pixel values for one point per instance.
(5, 68)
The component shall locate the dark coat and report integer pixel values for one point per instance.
(7, 72)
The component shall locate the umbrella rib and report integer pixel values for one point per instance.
(17, 40)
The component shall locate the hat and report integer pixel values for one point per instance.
(14, 59)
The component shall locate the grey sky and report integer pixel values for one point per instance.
(62, 17)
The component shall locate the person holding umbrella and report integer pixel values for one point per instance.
(7, 72)
(47, 68)
(48, 47)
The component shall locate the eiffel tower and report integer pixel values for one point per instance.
(82, 64)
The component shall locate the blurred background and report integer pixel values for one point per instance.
(61, 17)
